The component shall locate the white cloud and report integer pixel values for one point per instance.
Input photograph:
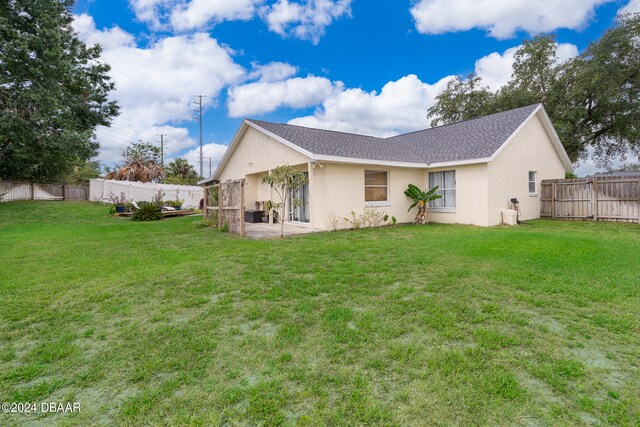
(152, 12)
(495, 68)
(400, 107)
(303, 19)
(632, 7)
(155, 85)
(265, 96)
(213, 151)
(502, 19)
(198, 13)
(183, 15)
(272, 71)
(306, 20)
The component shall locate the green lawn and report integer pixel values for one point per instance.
(165, 323)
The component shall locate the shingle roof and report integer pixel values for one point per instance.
(477, 138)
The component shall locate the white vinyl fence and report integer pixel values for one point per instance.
(100, 189)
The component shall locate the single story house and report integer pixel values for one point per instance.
(478, 164)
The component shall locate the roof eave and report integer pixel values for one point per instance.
(227, 154)
(551, 131)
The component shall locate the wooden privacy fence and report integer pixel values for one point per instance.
(610, 198)
(229, 205)
(15, 190)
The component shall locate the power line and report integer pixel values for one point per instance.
(102, 45)
(120, 124)
(117, 127)
(119, 132)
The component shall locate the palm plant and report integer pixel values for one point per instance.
(141, 162)
(138, 171)
(421, 199)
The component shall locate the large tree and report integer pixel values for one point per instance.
(180, 171)
(53, 91)
(593, 99)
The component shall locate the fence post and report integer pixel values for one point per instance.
(638, 200)
(64, 192)
(205, 202)
(220, 211)
(242, 207)
(594, 198)
(270, 198)
(553, 200)
(33, 191)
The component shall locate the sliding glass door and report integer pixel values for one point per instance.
(300, 212)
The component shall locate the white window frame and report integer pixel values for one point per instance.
(534, 182)
(441, 191)
(387, 186)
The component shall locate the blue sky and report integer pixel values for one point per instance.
(310, 62)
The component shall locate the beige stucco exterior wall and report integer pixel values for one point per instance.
(338, 189)
(471, 196)
(508, 174)
(257, 152)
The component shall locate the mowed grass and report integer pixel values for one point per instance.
(166, 324)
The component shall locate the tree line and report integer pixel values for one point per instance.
(55, 91)
(593, 99)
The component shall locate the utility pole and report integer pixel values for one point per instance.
(209, 164)
(162, 149)
(199, 111)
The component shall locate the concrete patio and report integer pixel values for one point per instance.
(266, 231)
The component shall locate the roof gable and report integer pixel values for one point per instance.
(476, 140)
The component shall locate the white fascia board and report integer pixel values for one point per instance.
(351, 160)
(459, 163)
(280, 139)
(564, 157)
(227, 154)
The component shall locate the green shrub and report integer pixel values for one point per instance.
(209, 222)
(371, 217)
(148, 211)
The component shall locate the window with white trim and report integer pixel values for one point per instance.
(532, 183)
(376, 186)
(446, 182)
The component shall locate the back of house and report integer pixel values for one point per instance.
(479, 166)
